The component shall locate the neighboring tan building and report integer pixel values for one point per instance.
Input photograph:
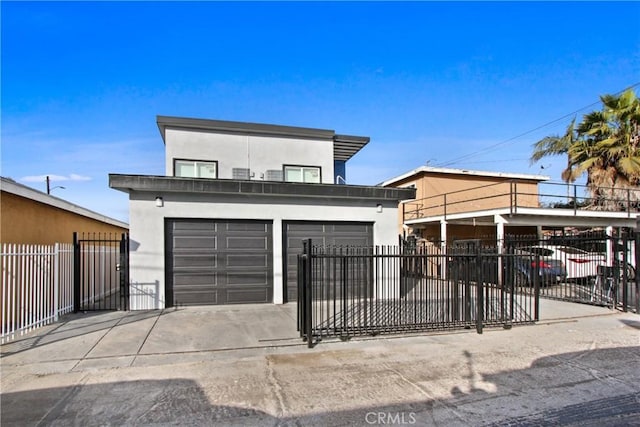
(29, 216)
(455, 204)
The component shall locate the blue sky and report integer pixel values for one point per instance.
(458, 84)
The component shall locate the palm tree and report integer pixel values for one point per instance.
(605, 146)
(555, 146)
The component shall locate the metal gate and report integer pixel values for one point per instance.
(101, 271)
(348, 291)
(598, 269)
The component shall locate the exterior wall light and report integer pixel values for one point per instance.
(159, 202)
(379, 208)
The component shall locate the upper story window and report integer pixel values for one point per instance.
(195, 169)
(302, 174)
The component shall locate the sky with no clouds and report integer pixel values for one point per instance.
(468, 85)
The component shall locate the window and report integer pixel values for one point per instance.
(302, 174)
(195, 169)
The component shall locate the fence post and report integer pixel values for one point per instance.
(479, 291)
(536, 289)
(625, 274)
(56, 280)
(123, 269)
(76, 273)
(637, 264)
(307, 286)
(300, 295)
(344, 278)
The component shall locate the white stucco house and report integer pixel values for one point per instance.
(225, 223)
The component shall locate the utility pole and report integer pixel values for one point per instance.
(49, 185)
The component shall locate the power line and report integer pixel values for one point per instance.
(499, 144)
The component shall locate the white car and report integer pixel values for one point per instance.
(579, 264)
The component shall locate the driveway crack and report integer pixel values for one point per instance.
(277, 389)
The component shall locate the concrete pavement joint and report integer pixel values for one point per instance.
(277, 389)
(93, 346)
(135, 356)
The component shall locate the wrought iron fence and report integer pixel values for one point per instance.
(348, 291)
(470, 283)
(101, 271)
(599, 269)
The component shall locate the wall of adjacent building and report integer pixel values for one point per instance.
(26, 221)
(464, 193)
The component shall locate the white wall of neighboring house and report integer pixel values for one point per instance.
(147, 224)
(256, 153)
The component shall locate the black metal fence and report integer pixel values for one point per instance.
(101, 271)
(348, 291)
(599, 269)
(472, 283)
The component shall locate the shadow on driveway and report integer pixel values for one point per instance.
(586, 388)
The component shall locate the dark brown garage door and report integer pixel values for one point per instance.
(218, 262)
(321, 233)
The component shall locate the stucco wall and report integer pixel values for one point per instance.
(469, 193)
(147, 224)
(464, 193)
(27, 221)
(257, 153)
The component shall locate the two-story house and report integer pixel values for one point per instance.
(227, 221)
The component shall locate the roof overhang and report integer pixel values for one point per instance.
(12, 187)
(344, 146)
(230, 187)
(463, 172)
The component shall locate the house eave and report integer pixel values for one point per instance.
(15, 188)
(344, 146)
(415, 173)
(164, 184)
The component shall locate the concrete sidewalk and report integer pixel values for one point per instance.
(246, 365)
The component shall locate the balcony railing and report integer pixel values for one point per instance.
(514, 195)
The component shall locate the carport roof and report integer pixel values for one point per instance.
(549, 217)
(344, 146)
(166, 184)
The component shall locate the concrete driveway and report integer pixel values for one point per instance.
(245, 365)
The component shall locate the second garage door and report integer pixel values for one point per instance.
(218, 262)
(321, 233)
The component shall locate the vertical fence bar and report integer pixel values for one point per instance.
(4, 278)
(76, 273)
(637, 259)
(23, 269)
(536, 290)
(308, 288)
(56, 281)
(479, 292)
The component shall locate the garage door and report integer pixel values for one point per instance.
(218, 262)
(322, 233)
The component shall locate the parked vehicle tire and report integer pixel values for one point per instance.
(631, 272)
